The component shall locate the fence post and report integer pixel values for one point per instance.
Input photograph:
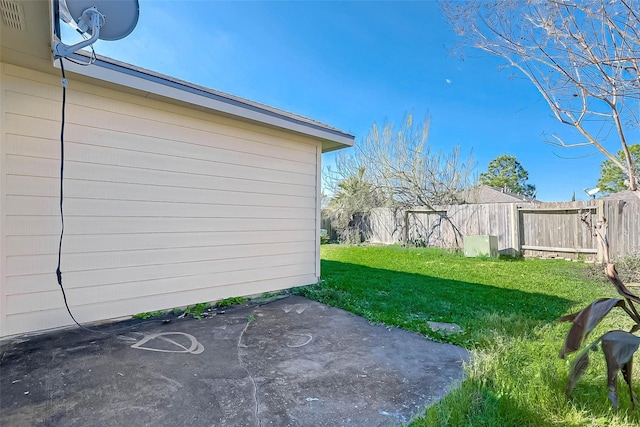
(514, 221)
(599, 217)
(405, 217)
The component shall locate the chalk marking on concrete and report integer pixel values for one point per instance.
(304, 343)
(396, 415)
(255, 386)
(125, 338)
(194, 348)
(299, 308)
(175, 383)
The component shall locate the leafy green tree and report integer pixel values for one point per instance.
(612, 178)
(506, 172)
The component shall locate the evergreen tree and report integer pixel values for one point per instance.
(612, 177)
(506, 172)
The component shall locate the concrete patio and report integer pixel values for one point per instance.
(288, 362)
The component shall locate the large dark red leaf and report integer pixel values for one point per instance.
(618, 348)
(612, 275)
(578, 367)
(585, 321)
(627, 369)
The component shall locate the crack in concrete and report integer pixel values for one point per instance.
(255, 386)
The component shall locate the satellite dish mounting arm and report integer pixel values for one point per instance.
(90, 20)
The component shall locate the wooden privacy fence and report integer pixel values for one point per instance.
(530, 229)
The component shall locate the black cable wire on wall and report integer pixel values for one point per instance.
(62, 123)
(59, 269)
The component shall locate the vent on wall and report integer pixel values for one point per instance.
(12, 15)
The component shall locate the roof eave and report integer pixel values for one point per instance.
(153, 83)
(30, 46)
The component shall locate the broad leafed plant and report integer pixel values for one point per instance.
(618, 346)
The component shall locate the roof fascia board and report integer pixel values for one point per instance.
(154, 84)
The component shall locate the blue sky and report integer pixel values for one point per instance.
(350, 64)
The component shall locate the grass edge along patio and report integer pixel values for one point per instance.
(507, 309)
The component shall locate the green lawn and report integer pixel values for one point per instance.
(507, 310)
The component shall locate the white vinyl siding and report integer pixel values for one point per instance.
(164, 205)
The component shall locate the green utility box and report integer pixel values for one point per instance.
(475, 246)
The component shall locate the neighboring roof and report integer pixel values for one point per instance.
(487, 194)
(26, 41)
(626, 195)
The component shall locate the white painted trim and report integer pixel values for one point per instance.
(318, 207)
(165, 86)
(3, 215)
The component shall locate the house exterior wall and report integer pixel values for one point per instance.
(164, 206)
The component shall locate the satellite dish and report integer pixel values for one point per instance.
(102, 19)
(592, 192)
(120, 16)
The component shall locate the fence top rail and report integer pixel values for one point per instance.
(426, 211)
(557, 249)
(582, 208)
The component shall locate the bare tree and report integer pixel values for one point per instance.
(401, 166)
(395, 169)
(583, 56)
